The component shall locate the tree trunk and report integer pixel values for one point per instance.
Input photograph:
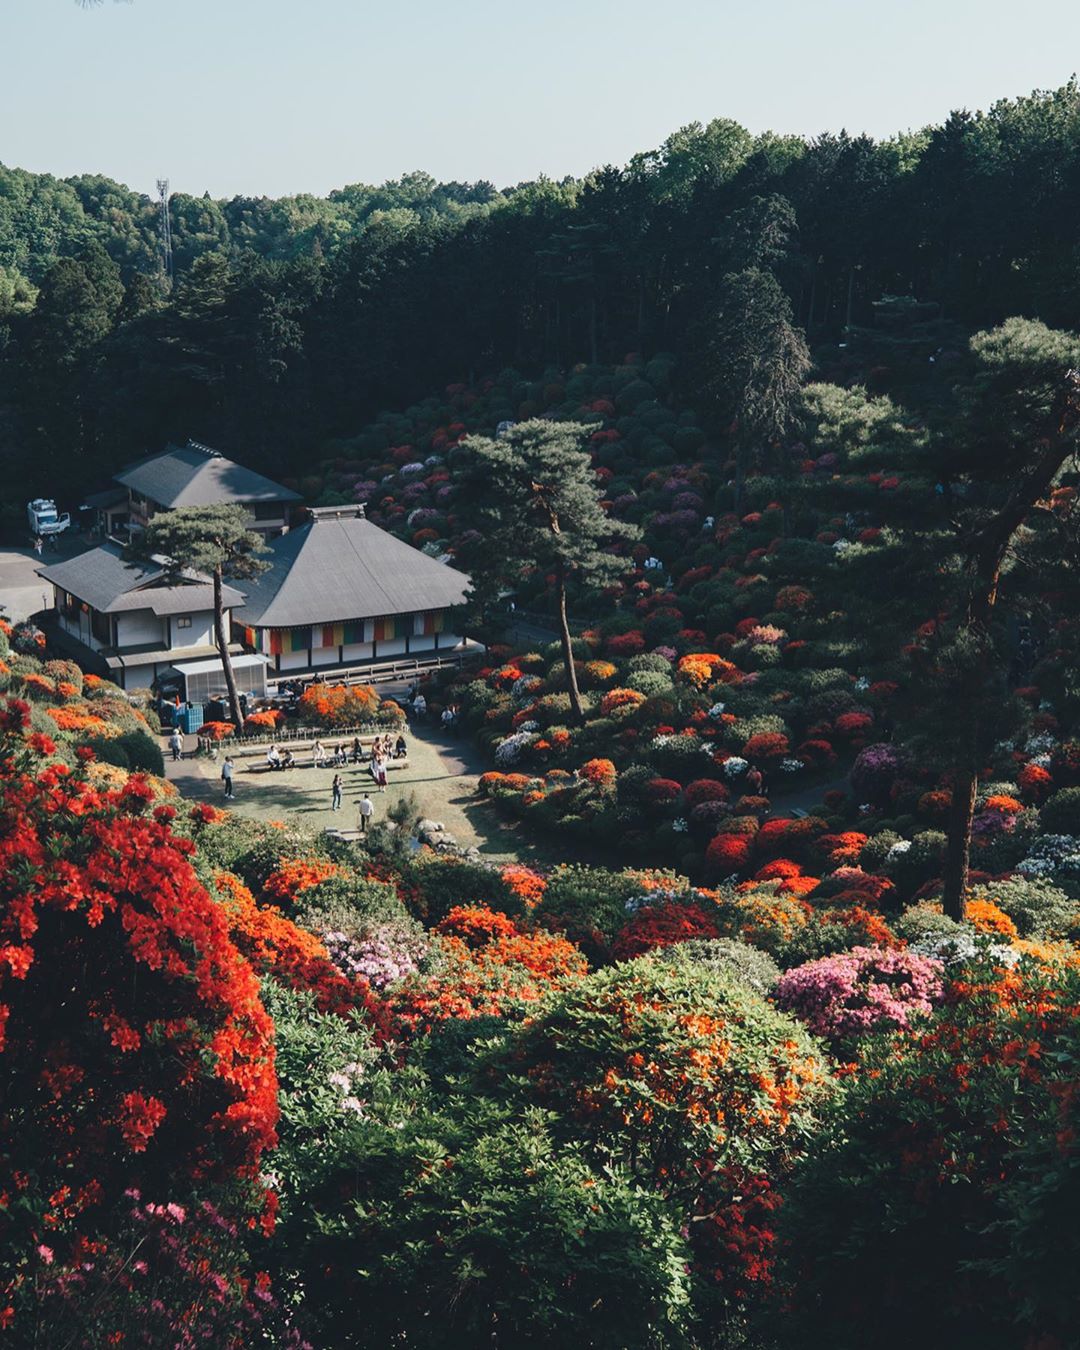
(223, 649)
(568, 649)
(958, 848)
(741, 456)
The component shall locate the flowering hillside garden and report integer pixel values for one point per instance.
(260, 1077)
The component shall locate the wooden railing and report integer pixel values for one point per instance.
(381, 672)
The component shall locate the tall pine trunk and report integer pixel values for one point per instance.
(958, 845)
(223, 649)
(568, 649)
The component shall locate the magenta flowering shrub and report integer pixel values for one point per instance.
(174, 1276)
(841, 998)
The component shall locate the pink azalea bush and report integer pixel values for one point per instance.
(844, 997)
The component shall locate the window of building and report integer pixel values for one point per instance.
(184, 622)
(267, 510)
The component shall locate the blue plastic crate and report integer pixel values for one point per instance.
(191, 718)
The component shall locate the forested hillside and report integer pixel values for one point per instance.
(293, 321)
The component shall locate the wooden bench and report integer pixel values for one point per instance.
(263, 767)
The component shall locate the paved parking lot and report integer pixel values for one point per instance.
(22, 593)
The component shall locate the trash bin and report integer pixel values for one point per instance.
(191, 718)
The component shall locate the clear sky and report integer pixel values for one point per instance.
(269, 97)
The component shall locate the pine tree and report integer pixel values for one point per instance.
(535, 497)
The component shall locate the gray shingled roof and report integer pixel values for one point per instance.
(339, 567)
(103, 580)
(194, 475)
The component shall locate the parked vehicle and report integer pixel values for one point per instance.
(44, 520)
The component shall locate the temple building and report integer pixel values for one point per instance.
(195, 475)
(342, 592)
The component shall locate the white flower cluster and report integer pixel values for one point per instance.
(414, 467)
(842, 546)
(510, 750)
(1040, 744)
(649, 898)
(680, 825)
(1052, 855)
(345, 1080)
(958, 948)
(862, 684)
(717, 711)
(897, 851)
(735, 767)
(791, 765)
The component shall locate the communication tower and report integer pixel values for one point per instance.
(166, 230)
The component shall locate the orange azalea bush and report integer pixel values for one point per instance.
(599, 772)
(217, 731)
(691, 1082)
(338, 705)
(702, 668)
(989, 918)
(491, 967)
(526, 884)
(616, 699)
(292, 877)
(278, 947)
(69, 718)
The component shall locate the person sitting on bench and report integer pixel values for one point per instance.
(318, 754)
(357, 751)
(401, 749)
(273, 758)
(287, 761)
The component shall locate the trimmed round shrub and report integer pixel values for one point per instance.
(1060, 814)
(727, 956)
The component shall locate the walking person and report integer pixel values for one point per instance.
(335, 793)
(226, 778)
(176, 744)
(382, 775)
(364, 811)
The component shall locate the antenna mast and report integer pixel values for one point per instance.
(166, 231)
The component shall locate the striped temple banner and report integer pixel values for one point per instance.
(426, 624)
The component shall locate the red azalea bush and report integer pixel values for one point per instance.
(727, 854)
(662, 926)
(133, 1044)
(766, 748)
(705, 790)
(663, 790)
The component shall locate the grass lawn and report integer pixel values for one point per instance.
(442, 774)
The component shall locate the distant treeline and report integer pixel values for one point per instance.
(290, 321)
